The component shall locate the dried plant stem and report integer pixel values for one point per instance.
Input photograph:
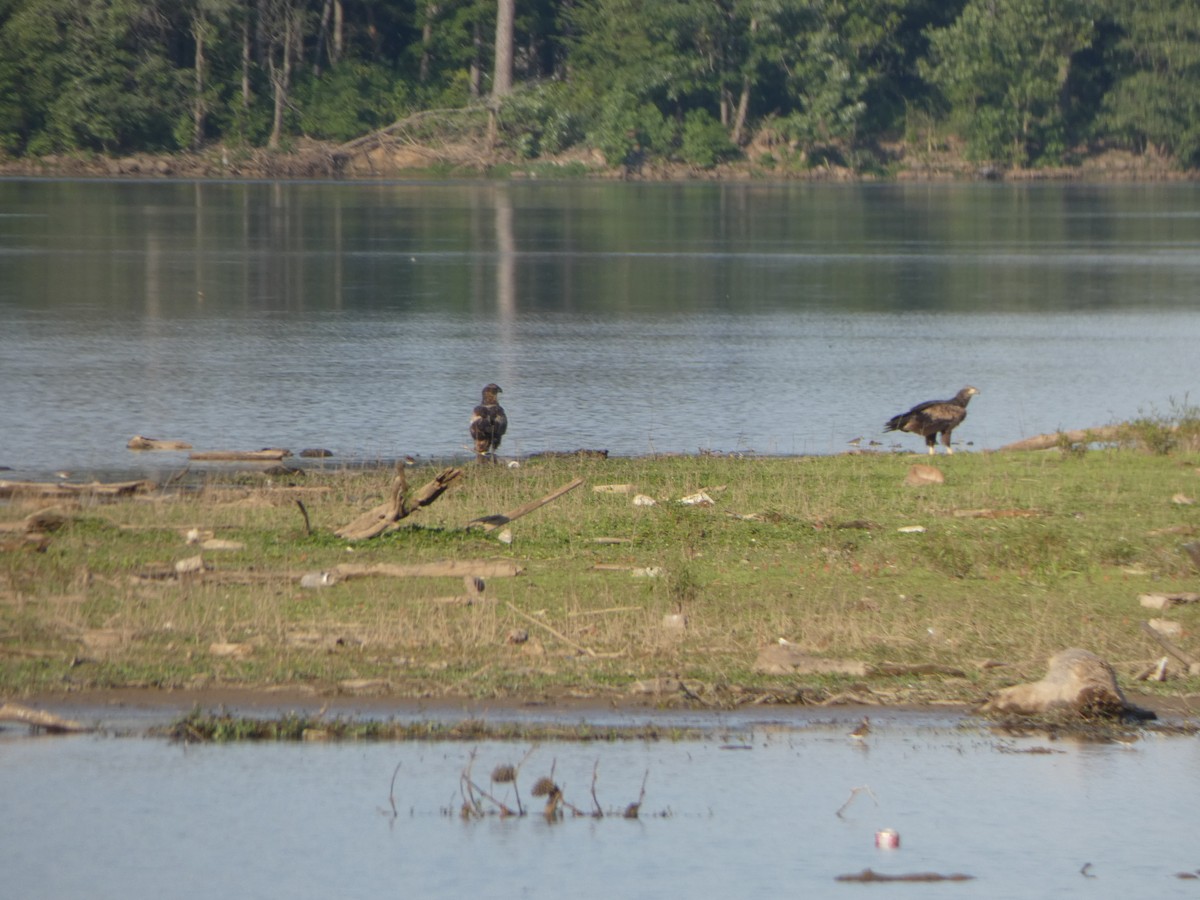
(392, 790)
(558, 634)
(599, 812)
(854, 792)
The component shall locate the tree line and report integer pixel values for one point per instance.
(1010, 82)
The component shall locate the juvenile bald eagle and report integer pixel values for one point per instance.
(488, 423)
(934, 417)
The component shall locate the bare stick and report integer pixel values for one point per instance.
(632, 810)
(304, 512)
(558, 634)
(491, 523)
(392, 790)
(854, 792)
(599, 813)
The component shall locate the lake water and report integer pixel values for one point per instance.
(639, 318)
(751, 811)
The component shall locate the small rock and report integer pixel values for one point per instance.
(648, 572)
(505, 536)
(316, 579)
(911, 529)
(1182, 500)
(643, 500)
(700, 498)
(190, 566)
(315, 453)
(674, 623)
(518, 636)
(921, 474)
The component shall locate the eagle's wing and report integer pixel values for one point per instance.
(943, 414)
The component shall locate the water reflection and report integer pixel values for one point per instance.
(365, 317)
(138, 818)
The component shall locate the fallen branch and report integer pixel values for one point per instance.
(1106, 434)
(558, 634)
(1171, 647)
(491, 523)
(383, 517)
(58, 489)
(452, 568)
(36, 718)
(869, 875)
(137, 442)
(266, 455)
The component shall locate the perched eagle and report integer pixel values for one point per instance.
(488, 423)
(934, 417)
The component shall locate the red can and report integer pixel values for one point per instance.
(887, 838)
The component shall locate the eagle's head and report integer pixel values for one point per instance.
(965, 394)
(490, 391)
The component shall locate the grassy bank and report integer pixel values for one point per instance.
(1021, 555)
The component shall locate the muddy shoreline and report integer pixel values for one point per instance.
(314, 160)
(133, 709)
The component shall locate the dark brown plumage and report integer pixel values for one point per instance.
(934, 417)
(488, 423)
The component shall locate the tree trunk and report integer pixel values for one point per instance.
(502, 76)
(199, 29)
(431, 13)
(502, 79)
(281, 72)
(246, 59)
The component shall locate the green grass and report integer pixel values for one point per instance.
(1021, 555)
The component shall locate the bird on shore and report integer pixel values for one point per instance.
(488, 424)
(934, 417)
(864, 728)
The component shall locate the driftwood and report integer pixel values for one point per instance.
(399, 505)
(63, 489)
(491, 523)
(268, 454)
(38, 719)
(450, 568)
(1057, 439)
(1189, 662)
(137, 442)
(866, 876)
(1077, 682)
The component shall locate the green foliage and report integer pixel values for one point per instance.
(626, 130)
(1155, 102)
(1023, 82)
(539, 120)
(348, 100)
(93, 75)
(705, 140)
(1003, 66)
(1164, 432)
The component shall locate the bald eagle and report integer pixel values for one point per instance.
(934, 417)
(488, 423)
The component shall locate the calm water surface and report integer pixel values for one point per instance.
(748, 813)
(778, 319)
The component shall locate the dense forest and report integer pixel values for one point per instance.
(1009, 83)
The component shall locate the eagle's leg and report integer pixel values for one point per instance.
(931, 442)
(946, 441)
